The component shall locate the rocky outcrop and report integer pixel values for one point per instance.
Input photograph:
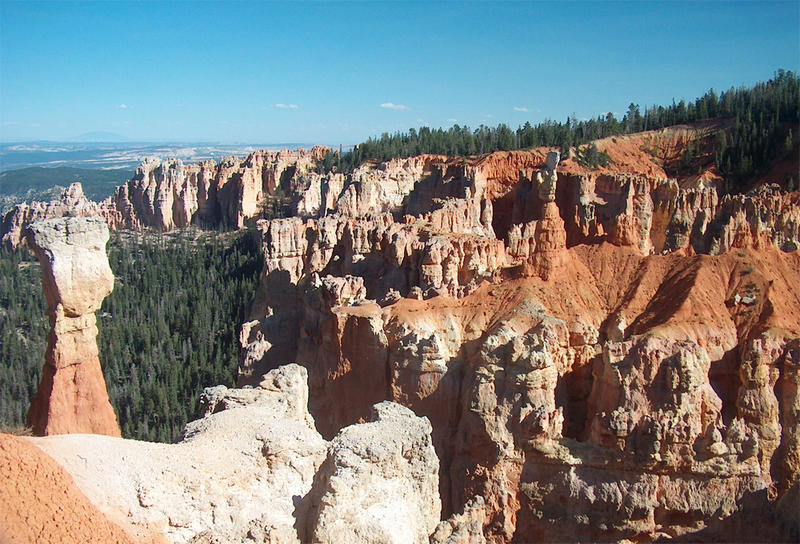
(379, 482)
(165, 195)
(763, 218)
(463, 528)
(660, 216)
(34, 488)
(168, 194)
(552, 326)
(255, 469)
(71, 203)
(620, 386)
(76, 277)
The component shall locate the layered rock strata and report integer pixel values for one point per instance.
(633, 202)
(601, 355)
(254, 469)
(76, 277)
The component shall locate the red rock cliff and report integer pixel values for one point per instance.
(603, 355)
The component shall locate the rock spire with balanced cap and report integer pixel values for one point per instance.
(76, 277)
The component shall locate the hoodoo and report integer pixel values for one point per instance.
(76, 277)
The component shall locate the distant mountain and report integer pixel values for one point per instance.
(99, 136)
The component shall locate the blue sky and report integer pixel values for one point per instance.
(339, 72)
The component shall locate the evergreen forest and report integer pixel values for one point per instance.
(169, 328)
(762, 127)
(36, 182)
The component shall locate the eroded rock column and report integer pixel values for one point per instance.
(76, 277)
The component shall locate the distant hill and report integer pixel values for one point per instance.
(99, 136)
(97, 184)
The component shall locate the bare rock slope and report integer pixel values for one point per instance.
(39, 502)
(603, 354)
(255, 469)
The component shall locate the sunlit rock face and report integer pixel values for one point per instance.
(76, 277)
(602, 355)
(255, 469)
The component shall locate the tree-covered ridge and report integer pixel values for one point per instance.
(763, 128)
(169, 328)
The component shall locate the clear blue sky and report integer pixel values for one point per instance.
(339, 72)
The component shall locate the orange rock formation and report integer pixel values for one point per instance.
(76, 277)
(591, 347)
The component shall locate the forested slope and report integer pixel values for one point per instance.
(168, 330)
(762, 128)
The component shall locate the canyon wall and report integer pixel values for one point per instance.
(601, 354)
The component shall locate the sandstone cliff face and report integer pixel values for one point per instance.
(602, 355)
(165, 195)
(254, 469)
(76, 277)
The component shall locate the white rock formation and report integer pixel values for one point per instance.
(380, 481)
(238, 471)
(249, 470)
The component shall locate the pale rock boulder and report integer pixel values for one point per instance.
(344, 291)
(379, 483)
(465, 527)
(76, 277)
